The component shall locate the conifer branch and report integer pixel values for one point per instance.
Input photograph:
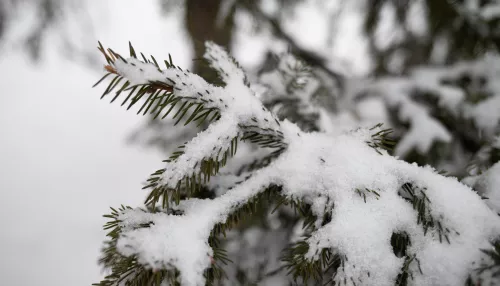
(326, 179)
(173, 88)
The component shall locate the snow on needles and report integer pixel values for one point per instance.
(237, 105)
(424, 129)
(315, 167)
(416, 97)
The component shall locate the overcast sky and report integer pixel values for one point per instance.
(63, 157)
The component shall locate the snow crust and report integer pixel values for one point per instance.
(314, 167)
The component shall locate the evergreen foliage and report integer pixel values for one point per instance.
(212, 192)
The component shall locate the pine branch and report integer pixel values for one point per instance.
(493, 255)
(421, 203)
(293, 98)
(126, 270)
(158, 89)
(175, 88)
(303, 269)
(381, 140)
(311, 172)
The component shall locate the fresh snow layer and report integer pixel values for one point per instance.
(317, 167)
(359, 230)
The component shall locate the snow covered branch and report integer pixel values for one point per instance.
(360, 199)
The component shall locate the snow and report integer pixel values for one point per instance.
(423, 132)
(372, 110)
(80, 171)
(488, 186)
(416, 18)
(387, 33)
(430, 78)
(238, 107)
(490, 11)
(372, 100)
(496, 142)
(486, 114)
(396, 92)
(317, 167)
(307, 17)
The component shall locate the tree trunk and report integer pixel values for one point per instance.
(201, 24)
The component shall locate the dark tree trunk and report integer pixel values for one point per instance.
(201, 24)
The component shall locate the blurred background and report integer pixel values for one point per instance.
(66, 156)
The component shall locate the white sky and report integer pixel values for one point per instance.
(63, 156)
(63, 159)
